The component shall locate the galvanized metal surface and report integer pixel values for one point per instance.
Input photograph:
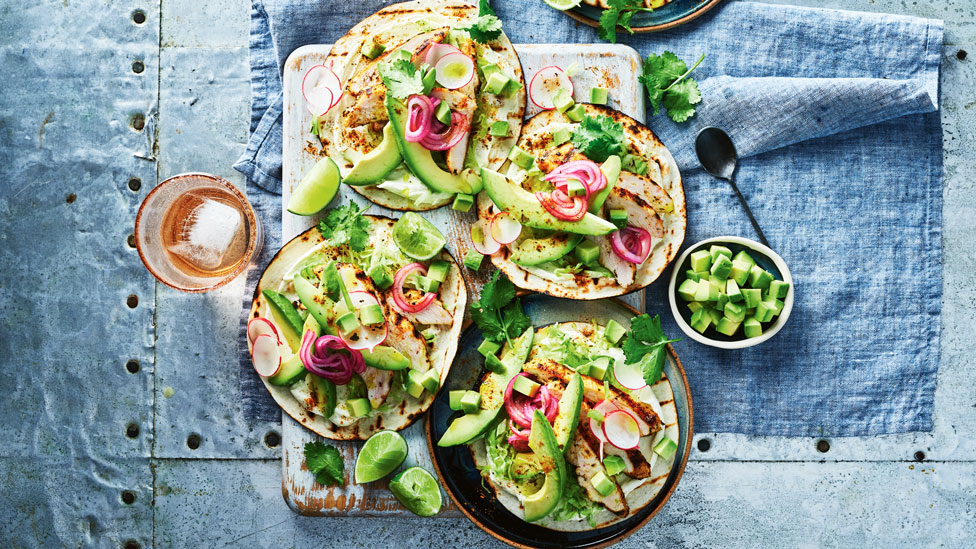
(66, 332)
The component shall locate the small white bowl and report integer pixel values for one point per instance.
(680, 266)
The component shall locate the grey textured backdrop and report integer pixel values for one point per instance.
(104, 375)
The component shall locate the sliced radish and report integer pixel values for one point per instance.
(621, 430)
(265, 355)
(436, 50)
(629, 376)
(454, 70)
(365, 337)
(261, 326)
(483, 242)
(604, 407)
(322, 89)
(544, 85)
(504, 228)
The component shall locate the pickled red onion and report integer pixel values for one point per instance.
(448, 137)
(401, 300)
(586, 172)
(555, 203)
(520, 409)
(632, 244)
(329, 357)
(418, 120)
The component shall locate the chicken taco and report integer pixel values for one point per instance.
(350, 334)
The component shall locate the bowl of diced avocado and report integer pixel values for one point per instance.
(730, 292)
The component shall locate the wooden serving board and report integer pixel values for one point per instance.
(611, 66)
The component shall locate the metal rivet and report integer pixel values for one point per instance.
(193, 441)
(961, 55)
(138, 67)
(272, 439)
(137, 122)
(71, 198)
(132, 301)
(128, 497)
(135, 183)
(132, 430)
(919, 456)
(131, 544)
(823, 446)
(704, 445)
(131, 240)
(132, 366)
(138, 17)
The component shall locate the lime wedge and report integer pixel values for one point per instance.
(417, 238)
(563, 5)
(316, 190)
(418, 491)
(382, 453)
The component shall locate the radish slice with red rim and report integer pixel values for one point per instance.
(435, 51)
(265, 355)
(482, 239)
(604, 407)
(544, 85)
(321, 89)
(629, 376)
(454, 70)
(261, 326)
(364, 337)
(621, 430)
(504, 228)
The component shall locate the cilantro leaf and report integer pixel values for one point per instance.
(619, 13)
(665, 77)
(514, 319)
(487, 26)
(599, 137)
(646, 345)
(401, 78)
(497, 313)
(346, 224)
(325, 463)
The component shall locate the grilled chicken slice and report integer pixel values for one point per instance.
(378, 383)
(640, 213)
(369, 108)
(432, 315)
(623, 271)
(651, 192)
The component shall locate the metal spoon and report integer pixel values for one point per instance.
(717, 155)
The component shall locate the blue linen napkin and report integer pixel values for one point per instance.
(835, 116)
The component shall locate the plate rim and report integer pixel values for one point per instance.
(701, 10)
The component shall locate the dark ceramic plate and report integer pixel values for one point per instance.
(461, 479)
(675, 13)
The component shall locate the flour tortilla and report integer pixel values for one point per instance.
(662, 171)
(392, 26)
(639, 493)
(442, 348)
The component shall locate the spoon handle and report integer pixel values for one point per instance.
(745, 205)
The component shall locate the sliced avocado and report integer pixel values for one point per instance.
(323, 393)
(291, 371)
(378, 163)
(470, 426)
(385, 358)
(419, 159)
(569, 410)
(533, 251)
(286, 318)
(524, 206)
(543, 442)
(611, 170)
(319, 305)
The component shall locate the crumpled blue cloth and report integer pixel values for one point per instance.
(834, 114)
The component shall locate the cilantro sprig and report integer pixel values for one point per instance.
(499, 313)
(647, 345)
(401, 78)
(599, 137)
(666, 79)
(487, 26)
(325, 463)
(619, 13)
(346, 224)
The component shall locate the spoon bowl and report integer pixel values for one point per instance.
(716, 152)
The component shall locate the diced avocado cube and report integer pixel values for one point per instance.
(499, 128)
(358, 407)
(381, 277)
(511, 87)
(472, 260)
(598, 96)
(744, 257)
(575, 187)
(752, 296)
(443, 113)
(701, 261)
(775, 304)
(496, 83)
(715, 250)
(727, 327)
(666, 448)
(721, 267)
(714, 315)
(602, 483)
(634, 164)
(598, 368)
(619, 218)
(688, 289)
(431, 380)
(614, 465)
(372, 49)
(348, 322)
(489, 69)
(415, 383)
(471, 402)
(732, 290)
(614, 331)
(765, 312)
(462, 202)
(704, 290)
(692, 275)
(429, 79)
(428, 284)
(489, 347)
(740, 272)
(721, 302)
(716, 288)
(525, 386)
(735, 311)
(694, 306)
(587, 252)
(454, 399)
(371, 314)
(438, 270)
(429, 333)
(778, 288)
(563, 100)
(759, 277)
(494, 365)
(701, 320)
(576, 113)
(561, 135)
(521, 158)
(752, 327)
(584, 369)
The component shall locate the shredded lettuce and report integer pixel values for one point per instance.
(414, 191)
(575, 503)
(500, 453)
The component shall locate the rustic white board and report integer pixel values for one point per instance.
(611, 66)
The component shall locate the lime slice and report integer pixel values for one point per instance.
(563, 5)
(418, 491)
(417, 238)
(316, 190)
(382, 453)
